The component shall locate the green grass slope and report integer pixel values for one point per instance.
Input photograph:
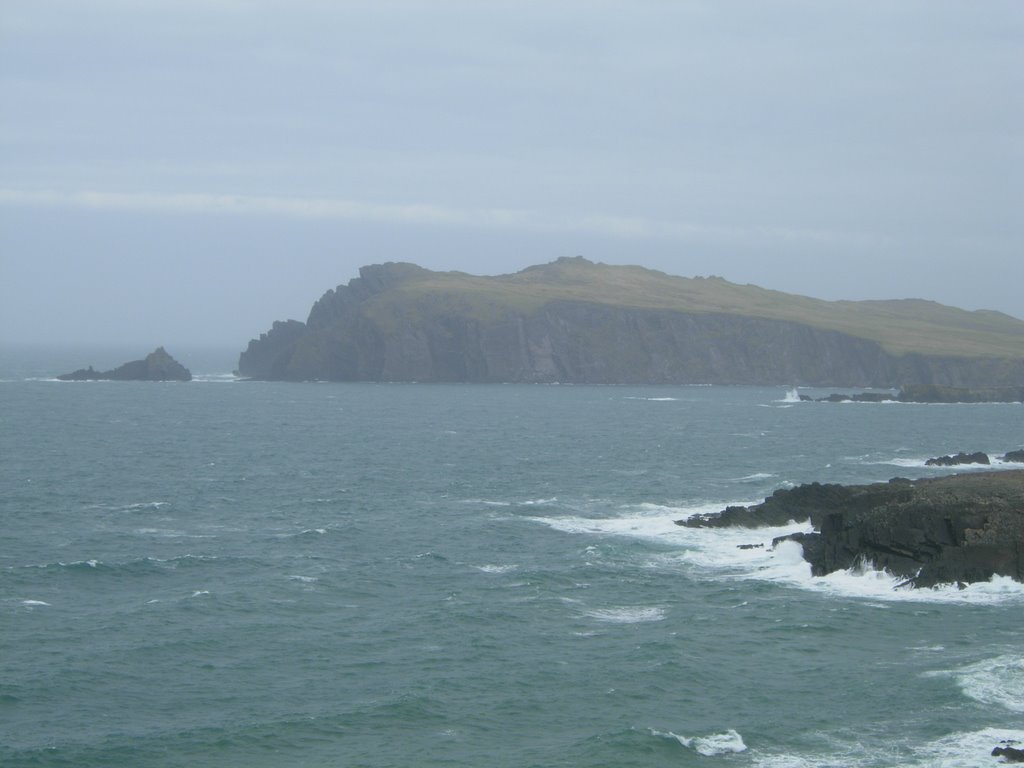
(900, 326)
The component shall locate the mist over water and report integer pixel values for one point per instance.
(243, 573)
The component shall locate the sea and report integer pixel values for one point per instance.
(239, 573)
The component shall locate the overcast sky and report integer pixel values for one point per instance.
(188, 171)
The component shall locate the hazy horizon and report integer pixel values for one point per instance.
(186, 173)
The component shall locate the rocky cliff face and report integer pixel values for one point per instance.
(158, 365)
(386, 326)
(962, 528)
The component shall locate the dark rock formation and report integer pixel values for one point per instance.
(1014, 456)
(269, 356)
(931, 393)
(956, 529)
(574, 321)
(859, 397)
(1011, 754)
(157, 366)
(961, 458)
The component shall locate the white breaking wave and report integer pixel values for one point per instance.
(32, 603)
(972, 749)
(215, 378)
(143, 505)
(627, 614)
(921, 463)
(998, 681)
(792, 396)
(714, 744)
(491, 568)
(737, 553)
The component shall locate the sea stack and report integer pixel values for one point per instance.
(158, 365)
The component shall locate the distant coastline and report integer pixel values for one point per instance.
(574, 321)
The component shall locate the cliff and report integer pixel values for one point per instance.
(575, 321)
(156, 366)
(955, 529)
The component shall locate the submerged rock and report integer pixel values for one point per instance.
(957, 529)
(158, 365)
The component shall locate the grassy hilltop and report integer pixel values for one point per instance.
(576, 321)
(900, 326)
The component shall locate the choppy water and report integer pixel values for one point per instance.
(253, 574)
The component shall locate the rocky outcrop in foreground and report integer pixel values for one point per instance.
(157, 366)
(1010, 754)
(956, 529)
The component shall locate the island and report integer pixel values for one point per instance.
(951, 530)
(158, 365)
(576, 321)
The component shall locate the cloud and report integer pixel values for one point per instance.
(605, 225)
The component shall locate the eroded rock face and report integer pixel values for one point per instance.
(399, 322)
(957, 529)
(156, 366)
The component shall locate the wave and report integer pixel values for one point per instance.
(748, 554)
(496, 568)
(630, 614)
(998, 681)
(792, 396)
(654, 399)
(712, 745)
(215, 378)
(921, 463)
(139, 566)
(971, 749)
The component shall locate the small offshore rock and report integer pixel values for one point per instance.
(158, 365)
(961, 458)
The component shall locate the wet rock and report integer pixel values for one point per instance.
(961, 458)
(961, 528)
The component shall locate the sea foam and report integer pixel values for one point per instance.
(737, 553)
(998, 681)
(711, 745)
(970, 749)
(627, 614)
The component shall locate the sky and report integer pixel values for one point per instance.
(189, 171)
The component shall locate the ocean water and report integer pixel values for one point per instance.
(227, 573)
